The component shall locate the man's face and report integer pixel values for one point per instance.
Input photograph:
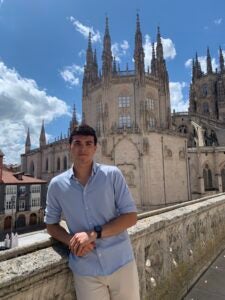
(82, 149)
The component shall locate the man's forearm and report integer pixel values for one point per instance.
(119, 224)
(59, 233)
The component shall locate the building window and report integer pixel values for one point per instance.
(205, 108)
(58, 164)
(150, 104)
(124, 121)
(11, 189)
(124, 101)
(207, 175)
(99, 107)
(35, 202)
(204, 90)
(65, 163)
(35, 188)
(21, 205)
(22, 191)
(151, 123)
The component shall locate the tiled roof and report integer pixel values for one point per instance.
(8, 177)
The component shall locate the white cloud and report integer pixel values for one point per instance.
(218, 21)
(71, 74)
(177, 97)
(84, 30)
(120, 49)
(82, 53)
(147, 50)
(169, 50)
(203, 63)
(124, 46)
(23, 105)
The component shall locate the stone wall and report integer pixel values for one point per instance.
(172, 249)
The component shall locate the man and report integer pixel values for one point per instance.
(98, 208)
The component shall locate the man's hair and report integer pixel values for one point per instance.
(83, 129)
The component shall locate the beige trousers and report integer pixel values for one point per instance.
(123, 284)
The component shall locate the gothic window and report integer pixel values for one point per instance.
(205, 108)
(204, 90)
(58, 164)
(65, 163)
(151, 122)
(150, 104)
(99, 107)
(207, 176)
(46, 165)
(124, 121)
(123, 101)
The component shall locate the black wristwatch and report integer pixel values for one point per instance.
(98, 230)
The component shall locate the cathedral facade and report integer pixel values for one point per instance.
(204, 126)
(130, 110)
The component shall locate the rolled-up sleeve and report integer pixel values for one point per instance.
(53, 209)
(124, 200)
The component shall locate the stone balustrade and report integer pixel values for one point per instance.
(172, 250)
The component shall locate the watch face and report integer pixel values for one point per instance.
(98, 228)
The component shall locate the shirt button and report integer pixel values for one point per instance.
(99, 254)
(86, 208)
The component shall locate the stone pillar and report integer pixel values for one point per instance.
(201, 185)
(219, 182)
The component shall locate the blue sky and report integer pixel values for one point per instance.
(42, 53)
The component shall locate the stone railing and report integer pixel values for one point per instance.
(172, 249)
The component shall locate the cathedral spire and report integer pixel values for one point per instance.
(159, 47)
(221, 61)
(89, 53)
(198, 69)
(88, 68)
(139, 52)
(42, 139)
(209, 62)
(27, 143)
(193, 70)
(153, 61)
(73, 122)
(107, 53)
(95, 67)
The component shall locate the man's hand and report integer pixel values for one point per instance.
(82, 243)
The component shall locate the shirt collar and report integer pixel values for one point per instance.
(93, 172)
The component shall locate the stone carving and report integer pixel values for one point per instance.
(210, 138)
(168, 152)
(182, 154)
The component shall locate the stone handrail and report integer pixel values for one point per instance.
(172, 250)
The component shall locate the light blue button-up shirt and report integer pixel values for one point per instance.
(104, 197)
